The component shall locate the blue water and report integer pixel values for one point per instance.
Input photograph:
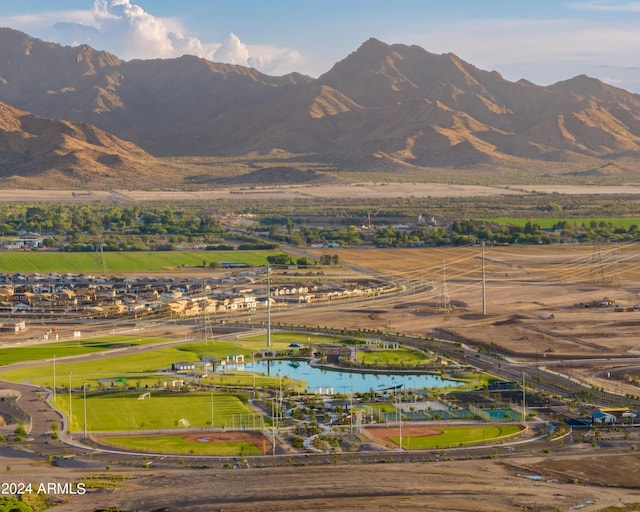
(344, 382)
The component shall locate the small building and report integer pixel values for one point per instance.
(14, 327)
(183, 366)
(502, 385)
(602, 418)
(579, 422)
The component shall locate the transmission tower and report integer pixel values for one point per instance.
(444, 302)
(615, 274)
(596, 272)
(604, 273)
(99, 257)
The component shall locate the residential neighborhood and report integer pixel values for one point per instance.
(91, 296)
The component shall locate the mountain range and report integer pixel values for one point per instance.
(392, 108)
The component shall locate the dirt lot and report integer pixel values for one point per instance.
(542, 303)
(514, 484)
(289, 192)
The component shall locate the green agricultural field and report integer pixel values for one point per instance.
(548, 223)
(180, 445)
(453, 437)
(151, 261)
(44, 351)
(126, 412)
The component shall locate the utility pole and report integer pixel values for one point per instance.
(484, 289)
(54, 377)
(70, 404)
(84, 389)
(524, 400)
(268, 306)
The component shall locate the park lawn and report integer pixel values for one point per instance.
(45, 351)
(245, 380)
(152, 261)
(139, 369)
(218, 349)
(180, 445)
(124, 412)
(397, 357)
(126, 366)
(453, 437)
(294, 337)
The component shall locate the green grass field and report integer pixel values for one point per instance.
(294, 337)
(453, 437)
(399, 357)
(179, 445)
(152, 261)
(43, 351)
(130, 366)
(124, 412)
(139, 369)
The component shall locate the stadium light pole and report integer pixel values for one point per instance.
(212, 408)
(54, 377)
(268, 306)
(524, 400)
(70, 404)
(484, 289)
(84, 392)
(253, 367)
(400, 422)
(281, 397)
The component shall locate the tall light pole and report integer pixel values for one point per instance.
(268, 306)
(54, 377)
(400, 422)
(253, 367)
(484, 289)
(524, 401)
(70, 404)
(84, 390)
(280, 396)
(211, 407)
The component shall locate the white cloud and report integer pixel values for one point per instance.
(128, 31)
(267, 59)
(232, 51)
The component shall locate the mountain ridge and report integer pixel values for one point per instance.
(381, 108)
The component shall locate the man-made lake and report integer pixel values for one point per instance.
(333, 381)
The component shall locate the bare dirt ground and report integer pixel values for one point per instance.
(288, 192)
(542, 303)
(487, 485)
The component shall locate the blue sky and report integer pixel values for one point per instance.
(544, 41)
